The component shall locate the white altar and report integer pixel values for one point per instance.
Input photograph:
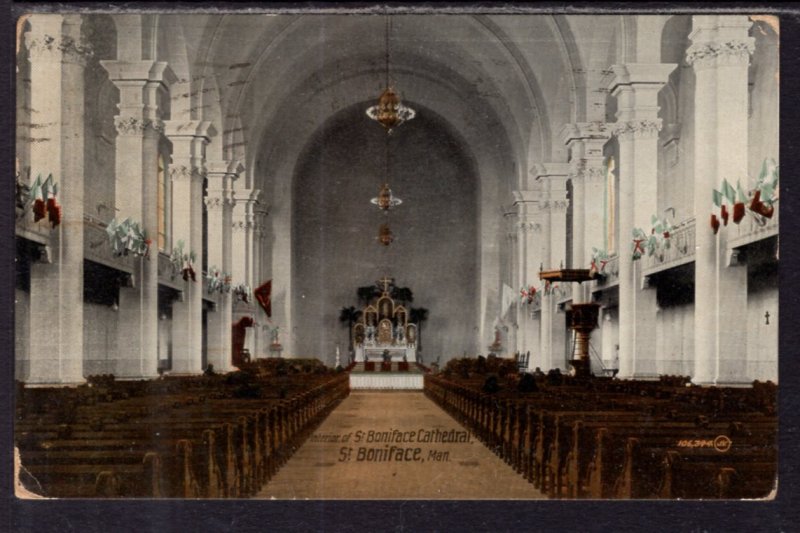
(384, 331)
(397, 353)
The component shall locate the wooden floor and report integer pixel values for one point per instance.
(327, 466)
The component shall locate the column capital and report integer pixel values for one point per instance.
(57, 48)
(225, 169)
(527, 226)
(631, 75)
(217, 200)
(176, 129)
(719, 39)
(186, 172)
(637, 129)
(143, 71)
(550, 171)
(554, 205)
(525, 196)
(709, 54)
(131, 125)
(582, 131)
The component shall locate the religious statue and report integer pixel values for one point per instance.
(400, 334)
(370, 334)
(274, 335)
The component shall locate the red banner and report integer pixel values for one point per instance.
(264, 296)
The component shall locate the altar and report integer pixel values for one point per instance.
(395, 353)
(383, 331)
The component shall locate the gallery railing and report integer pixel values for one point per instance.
(609, 274)
(97, 247)
(752, 228)
(25, 227)
(681, 249)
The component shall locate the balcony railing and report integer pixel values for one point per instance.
(97, 248)
(609, 275)
(25, 227)
(752, 228)
(680, 251)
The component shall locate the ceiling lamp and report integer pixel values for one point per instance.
(385, 199)
(390, 111)
(385, 236)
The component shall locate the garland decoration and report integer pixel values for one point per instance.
(760, 200)
(217, 282)
(243, 292)
(43, 194)
(183, 262)
(128, 236)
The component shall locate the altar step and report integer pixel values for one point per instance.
(394, 379)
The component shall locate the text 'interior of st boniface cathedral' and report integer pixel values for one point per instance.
(194, 158)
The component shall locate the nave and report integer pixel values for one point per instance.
(295, 430)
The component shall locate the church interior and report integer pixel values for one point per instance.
(555, 233)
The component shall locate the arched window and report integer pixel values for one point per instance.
(610, 206)
(163, 197)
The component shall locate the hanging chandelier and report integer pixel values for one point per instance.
(385, 199)
(385, 236)
(389, 111)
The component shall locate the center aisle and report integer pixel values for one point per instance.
(394, 445)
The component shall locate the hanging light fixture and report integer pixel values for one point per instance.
(385, 236)
(390, 111)
(385, 199)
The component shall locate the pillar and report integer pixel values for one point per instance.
(244, 249)
(141, 84)
(219, 203)
(515, 334)
(187, 173)
(720, 55)
(244, 237)
(636, 87)
(58, 58)
(553, 216)
(585, 141)
(528, 239)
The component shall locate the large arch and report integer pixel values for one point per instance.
(334, 229)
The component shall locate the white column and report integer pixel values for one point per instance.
(139, 129)
(528, 238)
(244, 226)
(553, 210)
(243, 259)
(219, 203)
(515, 334)
(608, 339)
(636, 87)
(720, 54)
(262, 337)
(585, 142)
(187, 173)
(58, 58)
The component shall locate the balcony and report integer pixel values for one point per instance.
(609, 276)
(752, 229)
(680, 252)
(167, 275)
(26, 228)
(97, 248)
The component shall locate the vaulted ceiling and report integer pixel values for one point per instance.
(505, 84)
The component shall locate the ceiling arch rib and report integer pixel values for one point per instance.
(485, 139)
(262, 72)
